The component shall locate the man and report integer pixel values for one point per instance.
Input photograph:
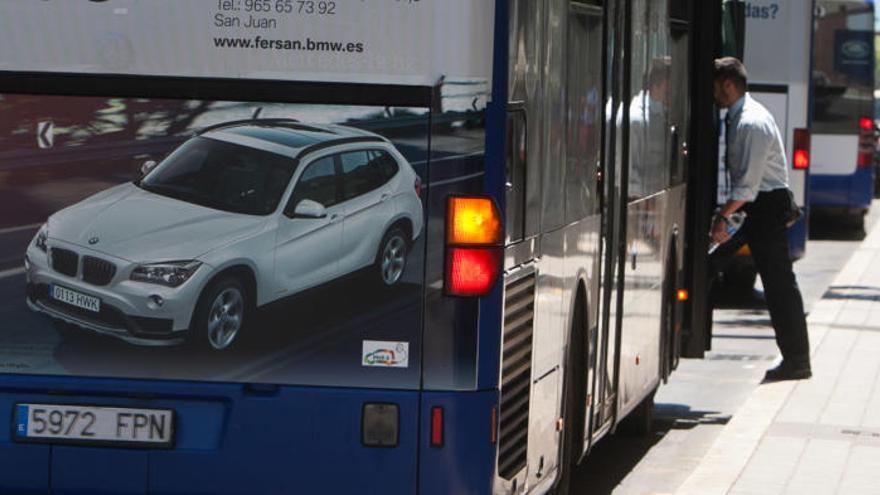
(758, 169)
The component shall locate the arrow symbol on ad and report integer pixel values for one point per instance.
(45, 134)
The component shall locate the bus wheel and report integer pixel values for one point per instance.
(574, 404)
(640, 421)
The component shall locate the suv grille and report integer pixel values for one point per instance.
(516, 371)
(65, 261)
(97, 271)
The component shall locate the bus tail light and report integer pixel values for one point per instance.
(436, 426)
(472, 271)
(866, 143)
(473, 221)
(474, 242)
(682, 295)
(801, 156)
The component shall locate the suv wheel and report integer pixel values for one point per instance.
(220, 315)
(391, 259)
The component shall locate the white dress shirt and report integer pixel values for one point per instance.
(755, 153)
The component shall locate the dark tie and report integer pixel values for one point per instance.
(727, 142)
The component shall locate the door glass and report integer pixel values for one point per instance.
(585, 108)
(358, 176)
(516, 175)
(317, 183)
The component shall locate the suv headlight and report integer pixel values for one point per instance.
(42, 238)
(171, 274)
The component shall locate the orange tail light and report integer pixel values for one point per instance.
(474, 241)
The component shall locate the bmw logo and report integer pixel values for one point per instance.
(94, 240)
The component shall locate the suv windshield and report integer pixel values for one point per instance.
(223, 176)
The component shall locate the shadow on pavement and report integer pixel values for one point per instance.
(857, 292)
(613, 457)
(835, 227)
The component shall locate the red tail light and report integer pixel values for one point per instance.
(436, 426)
(866, 158)
(801, 155)
(474, 242)
(472, 271)
(866, 143)
(418, 186)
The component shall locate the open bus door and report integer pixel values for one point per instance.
(709, 42)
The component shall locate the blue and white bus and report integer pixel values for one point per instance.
(187, 187)
(842, 176)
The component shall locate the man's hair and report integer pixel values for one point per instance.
(731, 69)
(659, 71)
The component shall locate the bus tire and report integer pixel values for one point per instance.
(640, 421)
(573, 406)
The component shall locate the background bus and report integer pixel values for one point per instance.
(842, 177)
(545, 291)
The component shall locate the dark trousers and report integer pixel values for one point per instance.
(767, 235)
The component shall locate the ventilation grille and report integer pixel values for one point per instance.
(519, 310)
(97, 271)
(65, 261)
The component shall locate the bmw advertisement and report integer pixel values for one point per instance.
(212, 240)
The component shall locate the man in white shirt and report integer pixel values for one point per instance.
(758, 169)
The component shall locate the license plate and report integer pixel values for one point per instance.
(111, 426)
(75, 298)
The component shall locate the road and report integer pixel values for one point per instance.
(703, 395)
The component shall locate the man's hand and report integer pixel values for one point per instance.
(719, 231)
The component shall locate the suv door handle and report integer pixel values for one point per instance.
(334, 218)
(384, 197)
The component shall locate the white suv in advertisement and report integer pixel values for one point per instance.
(240, 215)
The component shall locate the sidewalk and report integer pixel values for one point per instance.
(821, 435)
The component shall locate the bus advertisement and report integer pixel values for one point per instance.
(278, 246)
(842, 177)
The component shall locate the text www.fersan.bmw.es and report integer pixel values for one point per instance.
(306, 45)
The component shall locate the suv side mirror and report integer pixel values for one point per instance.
(309, 209)
(148, 167)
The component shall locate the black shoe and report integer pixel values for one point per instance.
(787, 371)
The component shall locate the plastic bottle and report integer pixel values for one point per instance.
(734, 223)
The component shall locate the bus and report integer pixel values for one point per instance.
(779, 78)
(842, 178)
(277, 246)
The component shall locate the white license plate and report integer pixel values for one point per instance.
(120, 426)
(75, 298)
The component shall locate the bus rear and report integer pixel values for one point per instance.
(221, 275)
(842, 178)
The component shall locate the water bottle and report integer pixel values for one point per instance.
(734, 222)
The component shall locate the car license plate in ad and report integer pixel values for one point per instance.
(111, 426)
(74, 298)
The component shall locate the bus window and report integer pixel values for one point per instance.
(648, 109)
(584, 112)
(843, 55)
(516, 174)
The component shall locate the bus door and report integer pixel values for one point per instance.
(613, 208)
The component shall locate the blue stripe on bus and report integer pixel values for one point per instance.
(851, 191)
(21, 420)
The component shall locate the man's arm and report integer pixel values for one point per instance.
(719, 226)
(746, 176)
